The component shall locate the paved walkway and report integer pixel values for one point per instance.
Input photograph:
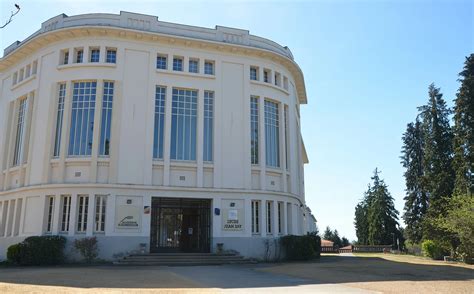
(213, 279)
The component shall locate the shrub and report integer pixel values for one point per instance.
(434, 249)
(38, 250)
(14, 253)
(413, 248)
(87, 247)
(301, 247)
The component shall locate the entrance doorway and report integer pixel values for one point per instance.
(180, 225)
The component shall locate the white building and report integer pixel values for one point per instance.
(148, 133)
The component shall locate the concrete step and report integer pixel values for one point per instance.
(182, 257)
(183, 254)
(170, 259)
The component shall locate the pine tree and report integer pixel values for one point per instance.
(464, 131)
(336, 239)
(437, 160)
(345, 242)
(360, 220)
(416, 199)
(376, 219)
(328, 234)
(382, 217)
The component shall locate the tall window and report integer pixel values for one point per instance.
(20, 129)
(107, 103)
(272, 134)
(111, 56)
(183, 124)
(209, 68)
(253, 73)
(254, 129)
(95, 55)
(65, 212)
(161, 62)
(255, 217)
(82, 118)
(269, 209)
(59, 120)
(208, 125)
(159, 130)
(82, 209)
(178, 64)
(49, 224)
(280, 217)
(194, 65)
(100, 206)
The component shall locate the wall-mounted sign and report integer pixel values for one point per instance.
(233, 215)
(127, 217)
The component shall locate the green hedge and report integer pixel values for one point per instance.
(434, 249)
(301, 247)
(38, 250)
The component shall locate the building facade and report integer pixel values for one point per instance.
(150, 136)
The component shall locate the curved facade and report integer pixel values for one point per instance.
(150, 136)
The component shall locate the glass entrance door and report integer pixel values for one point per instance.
(180, 225)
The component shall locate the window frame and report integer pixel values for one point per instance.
(22, 112)
(272, 133)
(212, 67)
(254, 127)
(267, 76)
(106, 118)
(159, 61)
(159, 122)
(194, 61)
(255, 216)
(82, 213)
(178, 63)
(111, 58)
(281, 217)
(65, 223)
(50, 213)
(269, 215)
(59, 119)
(94, 54)
(100, 213)
(78, 110)
(79, 55)
(180, 113)
(254, 69)
(208, 126)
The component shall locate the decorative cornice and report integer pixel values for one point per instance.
(147, 28)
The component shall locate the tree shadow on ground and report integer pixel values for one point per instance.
(328, 270)
(342, 269)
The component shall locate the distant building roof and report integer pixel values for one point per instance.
(327, 243)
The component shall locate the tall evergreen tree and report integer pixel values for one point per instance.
(464, 130)
(376, 219)
(360, 220)
(382, 216)
(336, 239)
(438, 152)
(416, 199)
(345, 242)
(328, 234)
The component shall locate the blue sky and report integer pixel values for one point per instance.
(367, 66)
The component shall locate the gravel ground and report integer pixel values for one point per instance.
(385, 273)
(341, 274)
